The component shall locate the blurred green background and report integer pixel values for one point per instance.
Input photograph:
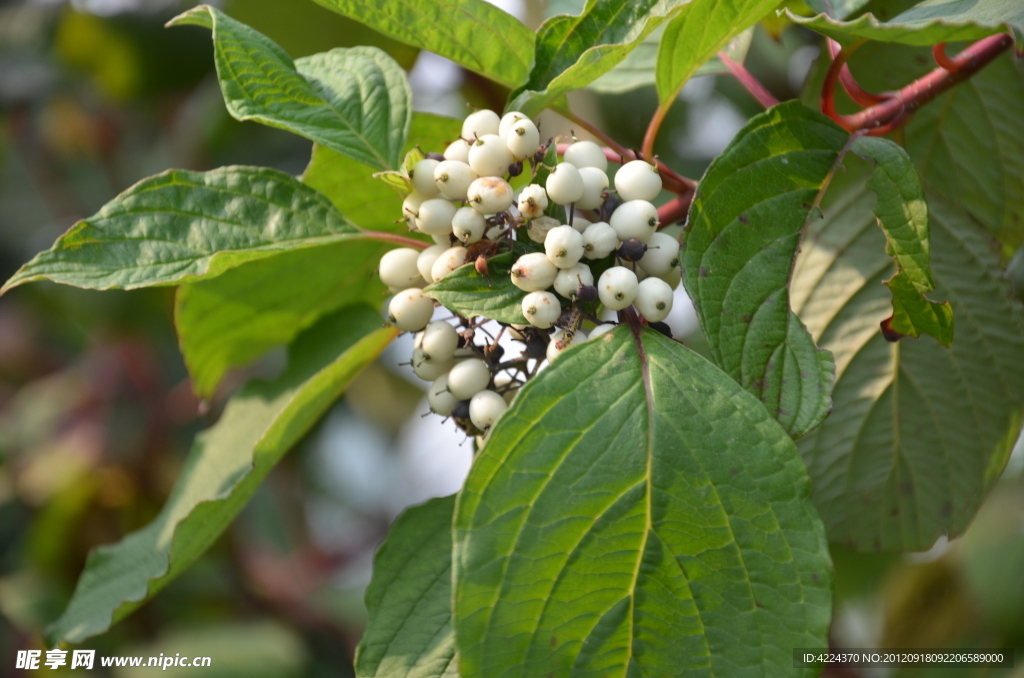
(97, 413)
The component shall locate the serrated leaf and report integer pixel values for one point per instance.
(355, 101)
(903, 215)
(926, 23)
(409, 634)
(637, 513)
(701, 30)
(920, 431)
(472, 33)
(235, 318)
(744, 229)
(226, 465)
(183, 226)
(470, 294)
(572, 51)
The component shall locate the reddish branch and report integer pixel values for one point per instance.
(749, 82)
(850, 84)
(395, 238)
(897, 109)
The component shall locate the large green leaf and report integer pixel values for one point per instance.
(355, 101)
(637, 513)
(235, 318)
(903, 215)
(410, 633)
(920, 431)
(472, 33)
(572, 51)
(183, 226)
(470, 294)
(701, 30)
(927, 23)
(226, 465)
(741, 239)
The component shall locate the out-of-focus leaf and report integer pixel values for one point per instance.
(228, 462)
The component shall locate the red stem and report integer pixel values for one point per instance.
(939, 54)
(395, 238)
(676, 209)
(850, 84)
(749, 82)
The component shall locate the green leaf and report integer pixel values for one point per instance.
(355, 101)
(572, 51)
(701, 30)
(470, 294)
(637, 513)
(638, 68)
(903, 215)
(472, 33)
(837, 9)
(742, 237)
(235, 318)
(927, 23)
(226, 465)
(183, 226)
(924, 430)
(410, 633)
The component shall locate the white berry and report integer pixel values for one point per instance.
(540, 227)
(489, 156)
(457, 150)
(654, 299)
(410, 310)
(533, 272)
(533, 200)
(635, 219)
(599, 240)
(617, 288)
(595, 182)
(429, 370)
(438, 340)
(564, 184)
(490, 195)
(485, 408)
(425, 261)
(421, 175)
(479, 123)
(523, 139)
(674, 277)
(439, 398)
(435, 216)
(411, 207)
(452, 178)
(557, 344)
(448, 261)
(398, 268)
(541, 309)
(468, 378)
(568, 280)
(579, 223)
(638, 180)
(507, 120)
(601, 329)
(662, 255)
(586, 154)
(468, 225)
(564, 246)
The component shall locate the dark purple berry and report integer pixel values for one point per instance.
(632, 250)
(435, 156)
(586, 293)
(515, 169)
(461, 410)
(661, 327)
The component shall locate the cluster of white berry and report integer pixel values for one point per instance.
(463, 200)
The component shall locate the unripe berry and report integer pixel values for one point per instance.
(586, 154)
(533, 200)
(479, 123)
(440, 399)
(523, 139)
(410, 207)
(568, 280)
(617, 288)
(564, 246)
(540, 227)
(595, 181)
(638, 180)
(435, 217)
(559, 344)
(457, 150)
(490, 195)
(599, 240)
(425, 261)
(438, 340)
(654, 299)
(448, 261)
(468, 225)
(489, 156)
(541, 309)
(579, 223)
(421, 176)
(533, 272)
(398, 268)
(564, 184)
(410, 310)
(485, 408)
(452, 178)
(662, 255)
(601, 329)
(635, 219)
(468, 378)
(507, 120)
(429, 370)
